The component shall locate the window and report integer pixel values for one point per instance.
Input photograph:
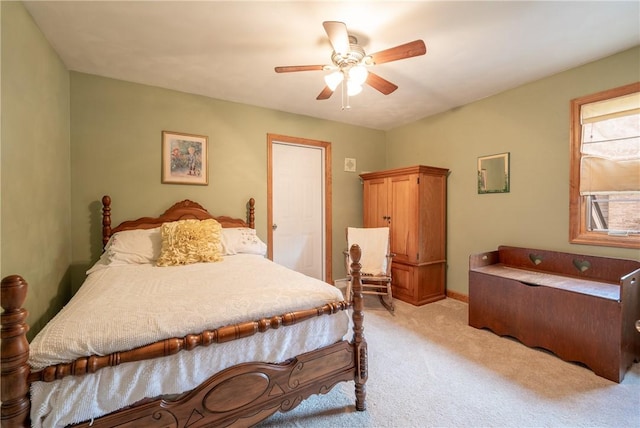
(605, 168)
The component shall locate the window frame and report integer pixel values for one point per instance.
(578, 233)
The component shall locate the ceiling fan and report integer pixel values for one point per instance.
(349, 62)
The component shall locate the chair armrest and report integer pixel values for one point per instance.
(390, 257)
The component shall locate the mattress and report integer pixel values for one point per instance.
(120, 307)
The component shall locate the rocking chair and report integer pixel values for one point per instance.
(375, 261)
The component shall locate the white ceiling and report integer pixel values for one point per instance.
(228, 50)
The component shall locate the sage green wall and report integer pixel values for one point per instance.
(115, 150)
(532, 123)
(36, 187)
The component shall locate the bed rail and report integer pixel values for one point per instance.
(166, 347)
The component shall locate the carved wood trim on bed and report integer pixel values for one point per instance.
(178, 211)
(240, 396)
(264, 389)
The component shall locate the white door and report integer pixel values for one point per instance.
(298, 211)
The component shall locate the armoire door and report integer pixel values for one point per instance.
(403, 213)
(376, 209)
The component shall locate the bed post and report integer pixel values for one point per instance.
(358, 329)
(106, 220)
(252, 213)
(14, 353)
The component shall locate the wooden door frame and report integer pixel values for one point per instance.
(271, 138)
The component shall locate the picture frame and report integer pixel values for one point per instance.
(185, 158)
(493, 173)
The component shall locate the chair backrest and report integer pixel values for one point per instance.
(374, 243)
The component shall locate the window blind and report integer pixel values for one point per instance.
(600, 175)
(610, 151)
(626, 105)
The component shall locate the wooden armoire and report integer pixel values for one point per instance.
(412, 201)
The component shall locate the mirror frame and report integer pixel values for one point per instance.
(482, 173)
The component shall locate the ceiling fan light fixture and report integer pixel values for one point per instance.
(333, 80)
(353, 88)
(358, 74)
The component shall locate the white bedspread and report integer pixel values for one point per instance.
(143, 304)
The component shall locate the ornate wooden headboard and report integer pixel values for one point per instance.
(179, 211)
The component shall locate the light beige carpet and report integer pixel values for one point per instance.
(428, 368)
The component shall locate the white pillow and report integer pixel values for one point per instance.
(139, 246)
(236, 240)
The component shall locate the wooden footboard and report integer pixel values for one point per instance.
(240, 396)
(244, 394)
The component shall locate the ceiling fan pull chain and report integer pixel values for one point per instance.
(345, 96)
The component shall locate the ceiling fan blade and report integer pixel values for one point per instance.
(291, 68)
(408, 50)
(380, 84)
(325, 94)
(338, 36)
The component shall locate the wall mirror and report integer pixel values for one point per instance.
(493, 173)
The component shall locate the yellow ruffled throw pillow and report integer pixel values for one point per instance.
(190, 241)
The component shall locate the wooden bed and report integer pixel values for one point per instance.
(241, 395)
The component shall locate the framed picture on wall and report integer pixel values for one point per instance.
(184, 158)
